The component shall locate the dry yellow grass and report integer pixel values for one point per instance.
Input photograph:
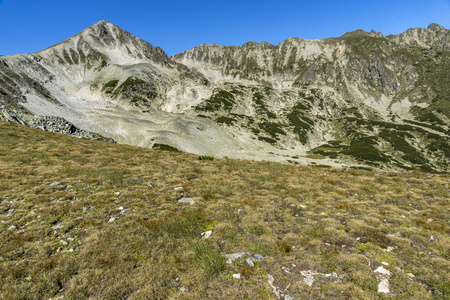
(121, 233)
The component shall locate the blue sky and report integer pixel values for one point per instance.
(175, 26)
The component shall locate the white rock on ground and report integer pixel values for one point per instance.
(252, 257)
(187, 200)
(383, 286)
(249, 262)
(383, 275)
(274, 288)
(383, 271)
(206, 234)
(237, 276)
(54, 183)
(393, 234)
(309, 280)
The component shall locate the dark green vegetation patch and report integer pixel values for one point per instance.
(220, 100)
(300, 122)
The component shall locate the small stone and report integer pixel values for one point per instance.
(54, 183)
(59, 226)
(393, 234)
(410, 275)
(150, 185)
(63, 242)
(253, 257)
(270, 279)
(237, 276)
(206, 234)
(389, 249)
(309, 280)
(302, 206)
(187, 200)
(343, 246)
(383, 286)
(12, 227)
(112, 219)
(385, 263)
(180, 188)
(383, 271)
(10, 212)
(249, 262)
(432, 238)
(120, 208)
(403, 216)
(117, 194)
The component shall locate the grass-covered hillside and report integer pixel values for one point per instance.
(81, 219)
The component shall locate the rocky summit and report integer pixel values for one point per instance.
(362, 100)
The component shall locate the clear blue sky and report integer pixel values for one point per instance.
(175, 26)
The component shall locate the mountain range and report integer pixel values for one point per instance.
(362, 100)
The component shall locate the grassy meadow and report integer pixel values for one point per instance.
(81, 219)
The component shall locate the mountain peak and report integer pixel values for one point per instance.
(355, 33)
(103, 22)
(435, 27)
(108, 41)
(102, 29)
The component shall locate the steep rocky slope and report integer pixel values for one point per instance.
(359, 97)
(107, 81)
(358, 100)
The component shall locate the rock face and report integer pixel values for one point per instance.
(361, 100)
(362, 97)
(435, 37)
(47, 123)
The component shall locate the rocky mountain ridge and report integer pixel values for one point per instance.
(361, 100)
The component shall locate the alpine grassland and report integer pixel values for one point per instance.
(84, 219)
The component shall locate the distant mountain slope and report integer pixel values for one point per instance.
(362, 96)
(361, 100)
